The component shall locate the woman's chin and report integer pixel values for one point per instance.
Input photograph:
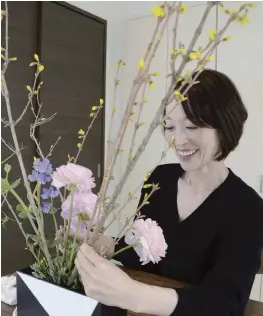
(191, 163)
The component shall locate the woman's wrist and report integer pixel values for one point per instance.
(143, 298)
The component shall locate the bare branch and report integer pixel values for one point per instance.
(8, 146)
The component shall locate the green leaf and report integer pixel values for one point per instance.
(35, 238)
(8, 168)
(53, 243)
(5, 186)
(20, 208)
(15, 184)
(22, 214)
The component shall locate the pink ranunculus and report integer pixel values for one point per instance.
(148, 236)
(73, 174)
(82, 203)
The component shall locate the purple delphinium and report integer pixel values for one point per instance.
(43, 166)
(41, 172)
(46, 207)
(49, 192)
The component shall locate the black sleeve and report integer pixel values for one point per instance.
(226, 288)
(129, 258)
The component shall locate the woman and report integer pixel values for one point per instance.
(212, 221)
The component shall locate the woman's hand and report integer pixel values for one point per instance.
(103, 281)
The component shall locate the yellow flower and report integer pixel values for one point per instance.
(81, 132)
(195, 55)
(92, 114)
(13, 59)
(79, 145)
(172, 52)
(141, 64)
(158, 11)
(156, 73)
(183, 8)
(142, 122)
(94, 108)
(101, 101)
(244, 20)
(212, 34)
(29, 88)
(36, 57)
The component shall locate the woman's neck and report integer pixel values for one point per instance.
(207, 178)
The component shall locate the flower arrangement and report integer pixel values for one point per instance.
(71, 184)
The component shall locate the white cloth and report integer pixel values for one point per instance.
(8, 290)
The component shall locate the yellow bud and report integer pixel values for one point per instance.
(92, 114)
(131, 121)
(210, 58)
(41, 68)
(156, 73)
(223, 10)
(94, 108)
(172, 52)
(116, 110)
(122, 149)
(142, 122)
(29, 88)
(179, 79)
(144, 100)
(183, 8)
(141, 64)
(177, 93)
(101, 101)
(81, 132)
(35, 158)
(132, 157)
(119, 64)
(158, 37)
(133, 112)
(2, 56)
(32, 64)
(158, 11)
(180, 51)
(227, 38)
(212, 34)
(79, 145)
(13, 59)
(195, 55)
(252, 5)
(152, 85)
(36, 57)
(172, 139)
(233, 11)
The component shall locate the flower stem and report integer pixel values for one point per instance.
(74, 243)
(123, 249)
(69, 223)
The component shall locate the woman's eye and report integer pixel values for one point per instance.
(191, 127)
(169, 128)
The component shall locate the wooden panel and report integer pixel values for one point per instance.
(23, 45)
(73, 52)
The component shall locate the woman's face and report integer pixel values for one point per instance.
(195, 146)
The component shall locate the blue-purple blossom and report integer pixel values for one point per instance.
(46, 207)
(39, 177)
(43, 166)
(49, 192)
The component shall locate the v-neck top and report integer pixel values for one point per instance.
(217, 248)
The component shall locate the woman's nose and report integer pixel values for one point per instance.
(180, 138)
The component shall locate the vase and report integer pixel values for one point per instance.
(37, 297)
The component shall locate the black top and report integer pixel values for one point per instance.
(217, 248)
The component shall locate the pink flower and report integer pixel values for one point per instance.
(82, 209)
(73, 174)
(148, 240)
